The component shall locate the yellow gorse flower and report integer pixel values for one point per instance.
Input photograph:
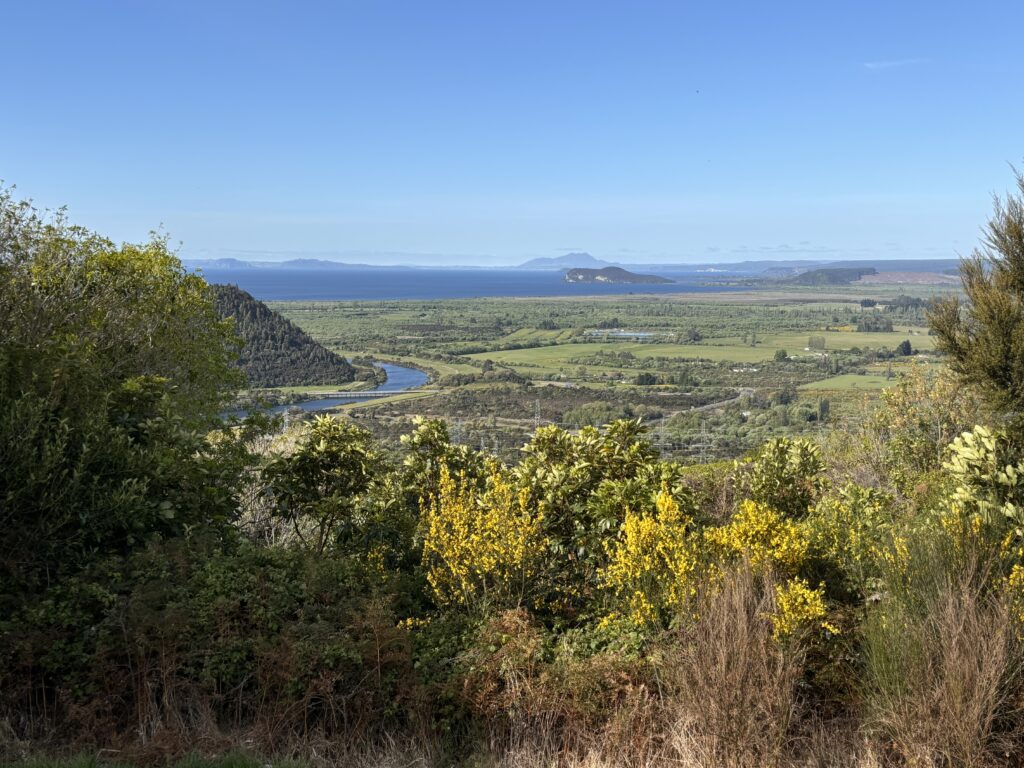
(797, 607)
(763, 536)
(481, 548)
(651, 564)
(1015, 592)
(852, 529)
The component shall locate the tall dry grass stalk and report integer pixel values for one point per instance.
(723, 694)
(731, 687)
(941, 683)
(836, 745)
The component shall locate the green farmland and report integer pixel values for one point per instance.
(735, 368)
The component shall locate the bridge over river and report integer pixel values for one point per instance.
(367, 394)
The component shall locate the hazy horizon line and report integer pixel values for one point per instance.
(505, 264)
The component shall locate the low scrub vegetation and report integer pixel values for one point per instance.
(174, 584)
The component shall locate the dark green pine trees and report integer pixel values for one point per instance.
(276, 352)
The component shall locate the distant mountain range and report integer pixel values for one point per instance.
(569, 261)
(766, 268)
(309, 264)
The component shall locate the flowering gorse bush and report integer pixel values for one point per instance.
(653, 561)
(481, 549)
(798, 607)
(763, 536)
(852, 529)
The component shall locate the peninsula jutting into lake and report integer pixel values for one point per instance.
(612, 275)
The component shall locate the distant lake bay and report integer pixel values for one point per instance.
(357, 284)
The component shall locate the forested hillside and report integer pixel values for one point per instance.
(275, 352)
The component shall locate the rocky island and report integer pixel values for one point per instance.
(612, 275)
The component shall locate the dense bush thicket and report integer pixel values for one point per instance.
(275, 352)
(874, 324)
(112, 365)
(170, 582)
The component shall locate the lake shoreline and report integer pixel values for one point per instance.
(435, 284)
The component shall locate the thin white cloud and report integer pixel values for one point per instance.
(876, 66)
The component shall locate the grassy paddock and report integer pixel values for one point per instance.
(849, 381)
(728, 349)
(706, 346)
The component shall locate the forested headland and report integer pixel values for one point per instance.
(274, 351)
(171, 582)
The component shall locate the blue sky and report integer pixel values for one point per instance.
(491, 132)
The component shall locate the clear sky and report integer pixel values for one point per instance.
(491, 132)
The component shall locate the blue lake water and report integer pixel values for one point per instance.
(357, 284)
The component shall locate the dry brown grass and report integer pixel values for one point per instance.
(601, 704)
(837, 746)
(943, 684)
(732, 688)
(723, 694)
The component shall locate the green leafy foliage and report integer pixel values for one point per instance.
(874, 324)
(988, 475)
(306, 642)
(984, 334)
(329, 489)
(786, 475)
(112, 364)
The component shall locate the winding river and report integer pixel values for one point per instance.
(400, 378)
